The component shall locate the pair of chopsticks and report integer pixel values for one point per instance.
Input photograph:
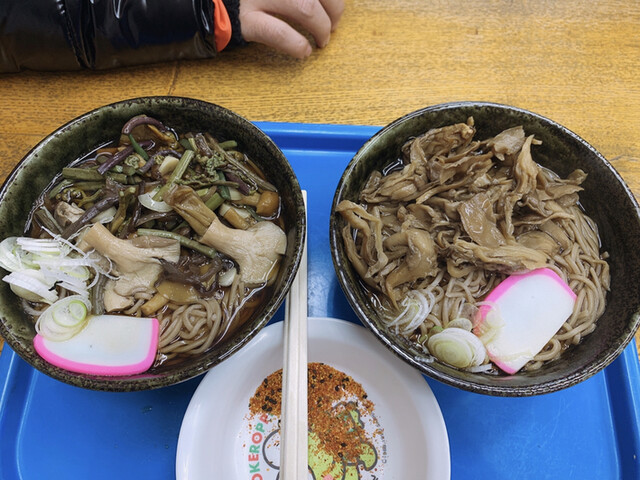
(293, 419)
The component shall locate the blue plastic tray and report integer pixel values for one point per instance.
(52, 430)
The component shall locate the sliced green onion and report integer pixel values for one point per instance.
(70, 313)
(458, 348)
(43, 266)
(68, 273)
(44, 246)
(416, 307)
(461, 322)
(9, 257)
(32, 286)
(64, 319)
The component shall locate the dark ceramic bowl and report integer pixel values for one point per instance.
(605, 198)
(83, 135)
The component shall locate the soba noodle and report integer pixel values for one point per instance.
(455, 216)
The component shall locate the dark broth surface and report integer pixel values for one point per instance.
(208, 296)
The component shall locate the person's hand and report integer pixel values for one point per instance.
(265, 21)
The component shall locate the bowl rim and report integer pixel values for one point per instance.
(426, 367)
(151, 381)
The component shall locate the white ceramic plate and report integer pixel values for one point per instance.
(220, 440)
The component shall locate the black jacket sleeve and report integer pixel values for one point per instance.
(101, 34)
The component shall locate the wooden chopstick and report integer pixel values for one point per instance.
(293, 419)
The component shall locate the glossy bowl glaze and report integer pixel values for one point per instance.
(605, 198)
(98, 127)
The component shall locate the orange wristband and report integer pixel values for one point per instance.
(222, 25)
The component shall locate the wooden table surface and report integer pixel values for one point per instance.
(574, 61)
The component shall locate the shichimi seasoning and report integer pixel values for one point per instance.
(335, 401)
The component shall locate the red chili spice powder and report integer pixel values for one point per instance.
(333, 396)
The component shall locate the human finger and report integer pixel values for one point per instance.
(260, 27)
(334, 9)
(308, 14)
